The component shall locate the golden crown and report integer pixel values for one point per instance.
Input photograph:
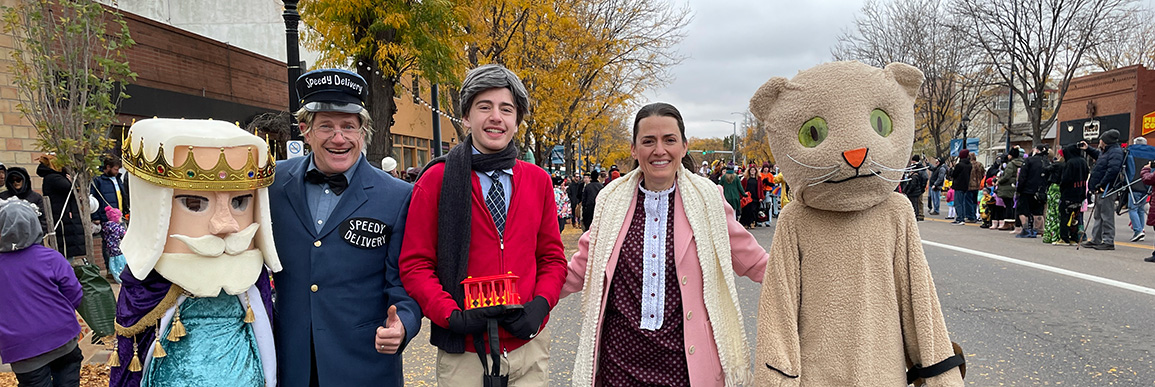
(191, 176)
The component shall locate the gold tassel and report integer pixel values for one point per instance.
(249, 318)
(158, 351)
(134, 365)
(114, 358)
(177, 331)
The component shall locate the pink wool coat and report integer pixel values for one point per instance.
(749, 260)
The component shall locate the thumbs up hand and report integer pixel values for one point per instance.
(390, 336)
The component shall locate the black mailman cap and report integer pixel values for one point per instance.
(332, 90)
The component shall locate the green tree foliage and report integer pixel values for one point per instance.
(69, 69)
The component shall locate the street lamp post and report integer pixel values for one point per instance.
(733, 141)
(966, 120)
(292, 18)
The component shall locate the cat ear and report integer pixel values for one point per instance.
(765, 97)
(906, 75)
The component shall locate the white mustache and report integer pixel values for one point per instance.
(214, 246)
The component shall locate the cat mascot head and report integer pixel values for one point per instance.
(841, 132)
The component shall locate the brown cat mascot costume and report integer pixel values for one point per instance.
(847, 299)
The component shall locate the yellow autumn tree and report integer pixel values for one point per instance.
(755, 146)
(383, 40)
(583, 62)
(708, 146)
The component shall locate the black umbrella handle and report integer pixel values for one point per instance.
(491, 376)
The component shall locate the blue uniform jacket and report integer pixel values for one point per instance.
(336, 286)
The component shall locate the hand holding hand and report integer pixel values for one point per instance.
(390, 336)
(525, 323)
(473, 321)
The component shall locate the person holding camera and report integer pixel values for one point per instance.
(1103, 180)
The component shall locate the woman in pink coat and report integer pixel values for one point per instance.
(658, 266)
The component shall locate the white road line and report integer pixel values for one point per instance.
(1069, 273)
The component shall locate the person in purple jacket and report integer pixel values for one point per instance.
(39, 295)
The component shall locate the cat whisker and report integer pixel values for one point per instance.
(880, 176)
(809, 166)
(907, 169)
(818, 182)
(824, 177)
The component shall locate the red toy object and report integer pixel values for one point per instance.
(491, 290)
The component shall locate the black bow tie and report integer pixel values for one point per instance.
(336, 182)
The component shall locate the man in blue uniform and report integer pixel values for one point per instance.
(343, 317)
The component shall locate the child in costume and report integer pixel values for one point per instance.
(113, 232)
(843, 132)
(39, 295)
(950, 203)
(196, 307)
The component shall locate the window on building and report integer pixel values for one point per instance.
(1001, 103)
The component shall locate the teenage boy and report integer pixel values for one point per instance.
(480, 212)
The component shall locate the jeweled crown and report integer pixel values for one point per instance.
(190, 175)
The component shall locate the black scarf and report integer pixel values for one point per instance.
(454, 218)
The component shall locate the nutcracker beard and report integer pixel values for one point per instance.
(228, 263)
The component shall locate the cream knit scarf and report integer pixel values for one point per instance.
(703, 206)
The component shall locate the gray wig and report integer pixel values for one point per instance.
(492, 76)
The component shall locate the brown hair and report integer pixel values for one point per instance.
(663, 109)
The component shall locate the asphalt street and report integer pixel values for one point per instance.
(1025, 313)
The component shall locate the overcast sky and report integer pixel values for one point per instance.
(734, 46)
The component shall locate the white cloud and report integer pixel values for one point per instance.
(734, 46)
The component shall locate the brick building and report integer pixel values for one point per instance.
(1117, 99)
(180, 74)
(187, 74)
(259, 27)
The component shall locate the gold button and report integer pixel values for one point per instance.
(683, 280)
(689, 314)
(691, 349)
(317, 244)
(313, 288)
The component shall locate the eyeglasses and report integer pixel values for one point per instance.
(346, 132)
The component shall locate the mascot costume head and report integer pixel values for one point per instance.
(841, 132)
(203, 178)
(196, 296)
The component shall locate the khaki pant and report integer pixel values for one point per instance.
(530, 365)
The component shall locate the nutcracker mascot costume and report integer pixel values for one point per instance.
(195, 306)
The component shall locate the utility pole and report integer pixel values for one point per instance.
(433, 105)
(293, 62)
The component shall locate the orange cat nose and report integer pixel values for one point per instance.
(855, 157)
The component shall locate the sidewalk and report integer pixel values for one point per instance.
(1123, 232)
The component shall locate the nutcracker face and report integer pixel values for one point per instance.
(210, 223)
(210, 239)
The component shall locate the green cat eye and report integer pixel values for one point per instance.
(881, 122)
(813, 132)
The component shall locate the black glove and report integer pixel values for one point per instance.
(472, 321)
(525, 323)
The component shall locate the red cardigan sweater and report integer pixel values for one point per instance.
(532, 244)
